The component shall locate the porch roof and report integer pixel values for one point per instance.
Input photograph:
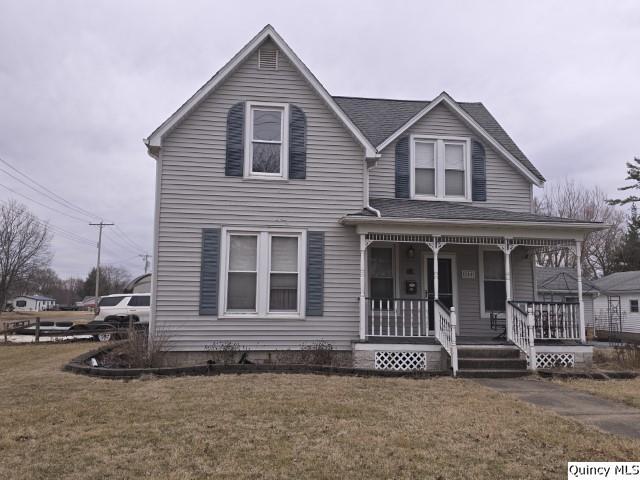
(420, 211)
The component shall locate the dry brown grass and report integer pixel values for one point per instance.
(624, 357)
(625, 391)
(60, 425)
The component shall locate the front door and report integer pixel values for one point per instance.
(445, 284)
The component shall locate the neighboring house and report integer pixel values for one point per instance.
(140, 284)
(558, 285)
(398, 230)
(618, 306)
(33, 303)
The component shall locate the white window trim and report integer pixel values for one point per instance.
(481, 250)
(248, 141)
(439, 161)
(263, 268)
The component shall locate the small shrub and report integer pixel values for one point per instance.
(628, 355)
(138, 351)
(317, 353)
(226, 353)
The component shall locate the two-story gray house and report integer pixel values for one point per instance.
(400, 231)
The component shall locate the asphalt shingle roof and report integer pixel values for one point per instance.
(437, 210)
(379, 118)
(553, 279)
(619, 282)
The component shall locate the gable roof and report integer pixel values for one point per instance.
(382, 120)
(619, 282)
(554, 279)
(154, 141)
(432, 211)
(374, 123)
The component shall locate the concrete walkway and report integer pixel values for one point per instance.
(607, 415)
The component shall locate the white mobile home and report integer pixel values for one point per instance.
(32, 303)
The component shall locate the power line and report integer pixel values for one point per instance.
(61, 199)
(127, 243)
(42, 204)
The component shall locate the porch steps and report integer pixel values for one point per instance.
(491, 362)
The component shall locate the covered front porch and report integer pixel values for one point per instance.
(452, 291)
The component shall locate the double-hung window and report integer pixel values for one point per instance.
(263, 273)
(440, 168)
(493, 281)
(633, 306)
(381, 286)
(266, 141)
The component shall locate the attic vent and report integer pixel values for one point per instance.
(268, 59)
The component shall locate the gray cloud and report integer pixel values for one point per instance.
(81, 83)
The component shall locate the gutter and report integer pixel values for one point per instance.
(369, 163)
(355, 220)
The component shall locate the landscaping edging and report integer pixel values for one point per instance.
(601, 375)
(78, 365)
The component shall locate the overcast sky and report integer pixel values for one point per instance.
(81, 83)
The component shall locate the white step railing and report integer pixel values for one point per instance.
(445, 329)
(554, 320)
(522, 333)
(397, 317)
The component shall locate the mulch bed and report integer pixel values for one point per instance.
(80, 365)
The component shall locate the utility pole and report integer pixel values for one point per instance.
(100, 227)
(146, 257)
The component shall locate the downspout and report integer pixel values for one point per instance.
(365, 190)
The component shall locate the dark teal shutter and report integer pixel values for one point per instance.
(297, 143)
(402, 168)
(315, 273)
(210, 271)
(235, 141)
(478, 172)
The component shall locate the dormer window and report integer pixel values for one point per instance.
(267, 132)
(440, 168)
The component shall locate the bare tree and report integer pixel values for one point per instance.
(568, 199)
(24, 247)
(112, 280)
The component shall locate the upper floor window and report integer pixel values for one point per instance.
(266, 152)
(440, 168)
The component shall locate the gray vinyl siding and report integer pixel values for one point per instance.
(506, 187)
(195, 194)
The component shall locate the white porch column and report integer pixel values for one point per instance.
(435, 247)
(506, 249)
(363, 303)
(436, 275)
(583, 332)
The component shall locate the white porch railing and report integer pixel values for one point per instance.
(522, 333)
(554, 320)
(445, 329)
(397, 317)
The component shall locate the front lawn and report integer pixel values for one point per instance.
(60, 425)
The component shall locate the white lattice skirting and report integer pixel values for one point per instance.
(401, 361)
(555, 360)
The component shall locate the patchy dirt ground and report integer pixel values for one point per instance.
(60, 425)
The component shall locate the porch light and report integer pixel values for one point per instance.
(411, 252)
